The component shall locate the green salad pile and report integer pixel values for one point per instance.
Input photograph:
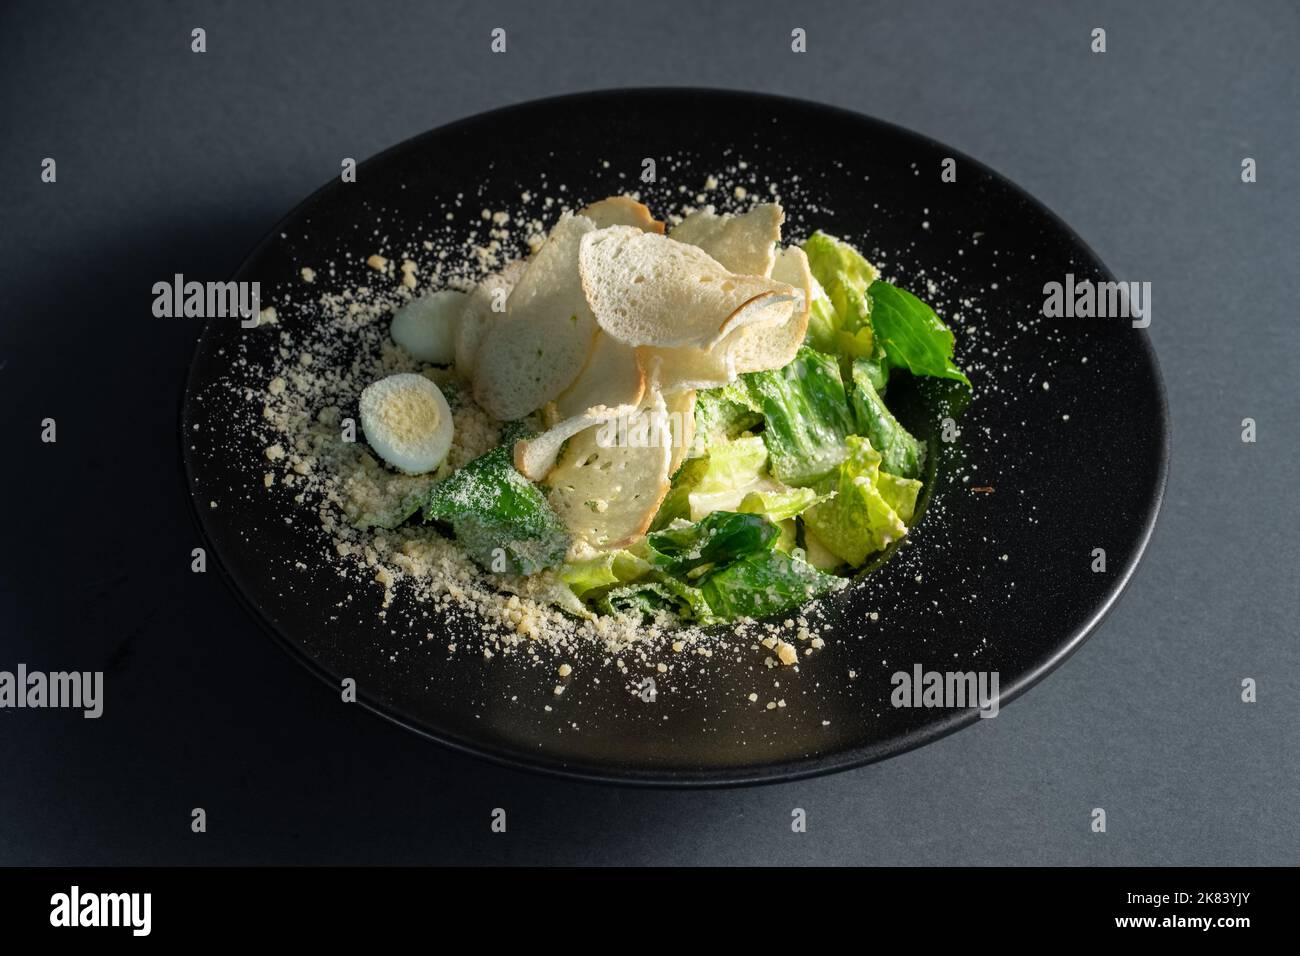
(802, 475)
(796, 477)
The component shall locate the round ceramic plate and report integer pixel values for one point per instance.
(1059, 457)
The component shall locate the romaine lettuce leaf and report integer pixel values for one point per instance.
(732, 476)
(899, 493)
(716, 481)
(721, 537)
(789, 539)
(651, 596)
(817, 554)
(901, 454)
(780, 505)
(823, 323)
(732, 470)
(861, 317)
(806, 416)
(677, 503)
(766, 583)
(734, 464)
(724, 413)
(858, 521)
(875, 369)
(913, 336)
(611, 567)
(840, 319)
(499, 517)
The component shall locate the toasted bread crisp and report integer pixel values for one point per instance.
(622, 211)
(745, 244)
(535, 457)
(612, 376)
(480, 313)
(773, 345)
(610, 481)
(537, 348)
(646, 289)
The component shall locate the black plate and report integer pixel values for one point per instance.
(998, 581)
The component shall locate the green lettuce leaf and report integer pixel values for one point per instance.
(858, 316)
(497, 513)
(899, 493)
(721, 537)
(763, 584)
(901, 454)
(858, 521)
(733, 464)
(724, 413)
(817, 554)
(732, 470)
(676, 505)
(651, 597)
(823, 323)
(716, 481)
(840, 320)
(875, 370)
(611, 567)
(806, 416)
(780, 505)
(912, 335)
(789, 539)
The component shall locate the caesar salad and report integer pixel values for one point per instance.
(691, 422)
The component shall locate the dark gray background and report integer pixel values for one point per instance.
(173, 162)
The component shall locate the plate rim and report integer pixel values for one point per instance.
(758, 774)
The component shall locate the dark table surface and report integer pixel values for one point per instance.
(170, 161)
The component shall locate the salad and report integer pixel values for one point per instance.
(694, 420)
